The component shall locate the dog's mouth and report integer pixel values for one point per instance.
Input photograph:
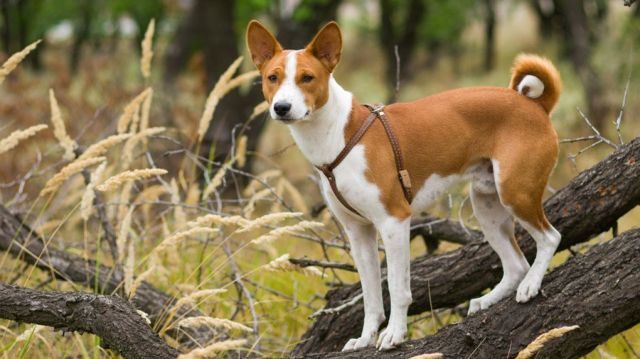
(290, 120)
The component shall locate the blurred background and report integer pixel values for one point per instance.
(394, 50)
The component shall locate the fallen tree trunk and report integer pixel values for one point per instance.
(21, 241)
(590, 204)
(111, 318)
(599, 292)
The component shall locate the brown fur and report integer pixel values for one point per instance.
(445, 133)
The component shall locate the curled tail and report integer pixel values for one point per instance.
(536, 77)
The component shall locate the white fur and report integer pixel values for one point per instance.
(535, 85)
(289, 91)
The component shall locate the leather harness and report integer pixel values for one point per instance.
(377, 112)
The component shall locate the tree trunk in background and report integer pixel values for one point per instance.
(296, 34)
(578, 31)
(406, 40)
(209, 26)
(489, 35)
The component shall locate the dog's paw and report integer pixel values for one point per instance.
(475, 305)
(391, 337)
(528, 288)
(359, 343)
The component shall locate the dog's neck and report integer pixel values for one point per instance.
(321, 136)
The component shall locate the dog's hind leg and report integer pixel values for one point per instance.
(498, 227)
(364, 250)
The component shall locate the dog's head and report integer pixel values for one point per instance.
(295, 82)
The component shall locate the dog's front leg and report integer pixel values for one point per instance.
(395, 235)
(364, 249)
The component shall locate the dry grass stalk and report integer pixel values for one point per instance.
(116, 181)
(15, 137)
(257, 182)
(123, 234)
(129, 267)
(129, 146)
(86, 204)
(146, 112)
(139, 279)
(147, 50)
(59, 130)
(174, 239)
(124, 199)
(214, 97)
(129, 110)
(188, 300)
(282, 264)
(428, 356)
(211, 219)
(15, 59)
(269, 219)
(239, 80)
(295, 195)
(179, 217)
(537, 344)
(282, 231)
(194, 322)
(29, 332)
(213, 349)
(241, 151)
(251, 204)
(69, 170)
(216, 181)
(101, 147)
(193, 297)
(260, 108)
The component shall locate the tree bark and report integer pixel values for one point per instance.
(599, 292)
(590, 204)
(209, 25)
(111, 318)
(22, 242)
(406, 40)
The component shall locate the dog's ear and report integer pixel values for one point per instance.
(262, 44)
(326, 46)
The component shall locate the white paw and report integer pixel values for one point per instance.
(391, 337)
(358, 343)
(528, 288)
(475, 305)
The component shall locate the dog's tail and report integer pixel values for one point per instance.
(536, 78)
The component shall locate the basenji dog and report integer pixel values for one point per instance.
(501, 139)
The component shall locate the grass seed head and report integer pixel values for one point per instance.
(15, 137)
(116, 181)
(59, 130)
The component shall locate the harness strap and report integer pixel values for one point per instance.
(403, 175)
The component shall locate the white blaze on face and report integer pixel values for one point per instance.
(289, 91)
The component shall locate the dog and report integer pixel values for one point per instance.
(500, 139)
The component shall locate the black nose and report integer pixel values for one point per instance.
(281, 108)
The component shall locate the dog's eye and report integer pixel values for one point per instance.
(307, 78)
(272, 78)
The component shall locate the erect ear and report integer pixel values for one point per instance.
(262, 44)
(327, 45)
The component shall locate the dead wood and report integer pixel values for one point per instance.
(598, 291)
(111, 318)
(22, 242)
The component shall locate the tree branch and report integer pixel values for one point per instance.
(22, 242)
(111, 318)
(599, 292)
(590, 204)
